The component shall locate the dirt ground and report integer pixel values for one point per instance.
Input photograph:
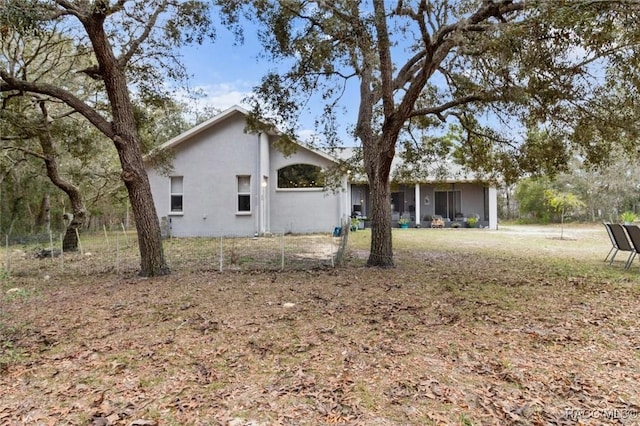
(448, 337)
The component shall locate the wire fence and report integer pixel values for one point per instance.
(117, 252)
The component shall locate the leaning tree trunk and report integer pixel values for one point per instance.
(43, 220)
(70, 241)
(152, 261)
(125, 137)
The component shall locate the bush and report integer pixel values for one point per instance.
(628, 217)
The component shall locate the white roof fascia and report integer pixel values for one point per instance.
(201, 127)
(221, 117)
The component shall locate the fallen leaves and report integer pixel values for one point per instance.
(460, 340)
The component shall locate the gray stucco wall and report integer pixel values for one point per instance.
(210, 162)
(303, 210)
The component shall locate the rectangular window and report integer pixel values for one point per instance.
(447, 204)
(176, 194)
(244, 194)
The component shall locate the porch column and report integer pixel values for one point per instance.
(263, 184)
(344, 210)
(417, 203)
(493, 207)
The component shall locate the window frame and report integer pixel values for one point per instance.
(243, 194)
(452, 199)
(303, 188)
(176, 194)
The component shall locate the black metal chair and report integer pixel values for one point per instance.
(619, 240)
(614, 245)
(633, 231)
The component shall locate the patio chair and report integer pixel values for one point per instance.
(634, 235)
(614, 245)
(619, 240)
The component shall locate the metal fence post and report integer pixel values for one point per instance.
(62, 251)
(106, 236)
(79, 242)
(7, 254)
(282, 253)
(51, 242)
(333, 251)
(117, 254)
(124, 231)
(221, 253)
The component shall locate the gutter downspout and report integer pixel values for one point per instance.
(257, 185)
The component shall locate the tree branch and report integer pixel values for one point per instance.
(24, 151)
(438, 110)
(134, 45)
(10, 83)
(384, 53)
(489, 9)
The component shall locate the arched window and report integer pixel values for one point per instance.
(299, 176)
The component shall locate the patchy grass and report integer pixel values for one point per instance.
(472, 327)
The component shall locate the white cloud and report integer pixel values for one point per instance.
(220, 96)
(307, 135)
(223, 95)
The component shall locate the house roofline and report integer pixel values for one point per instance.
(177, 140)
(429, 182)
(218, 118)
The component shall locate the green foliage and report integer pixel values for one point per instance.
(21, 17)
(504, 74)
(530, 195)
(562, 202)
(606, 190)
(628, 217)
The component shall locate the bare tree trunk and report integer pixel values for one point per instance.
(125, 138)
(144, 211)
(378, 166)
(43, 219)
(70, 241)
(381, 243)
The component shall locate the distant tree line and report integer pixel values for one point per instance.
(604, 193)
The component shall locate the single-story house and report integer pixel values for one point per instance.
(226, 181)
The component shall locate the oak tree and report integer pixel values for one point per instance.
(493, 68)
(134, 45)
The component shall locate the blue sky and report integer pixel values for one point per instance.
(226, 72)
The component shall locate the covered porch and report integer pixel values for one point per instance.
(455, 202)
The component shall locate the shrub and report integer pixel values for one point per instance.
(628, 217)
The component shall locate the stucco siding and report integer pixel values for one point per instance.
(209, 164)
(210, 157)
(472, 199)
(302, 210)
